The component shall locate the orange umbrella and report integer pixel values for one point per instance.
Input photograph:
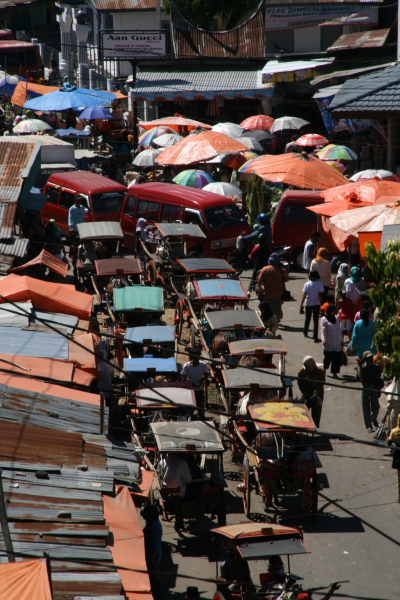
(300, 170)
(366, 191)
(196, 148)
(176, 122)
(330, 209)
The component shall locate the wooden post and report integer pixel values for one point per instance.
(4, 524)
(101, 413)
(134, 106)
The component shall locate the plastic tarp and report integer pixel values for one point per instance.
(365, 191)
(33, 201)
(301, 171)
(196, 148)
(47, 296)
(32, 90)
(330, 209)
(26, 580)
(45, 368)
(84, 357)
(47, 260)
(128, 543)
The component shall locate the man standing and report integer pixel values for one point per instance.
(260, 254)
(175, 473)
(310, 250)
(371, 380)
(311, 381)
(76, 214)
(194, 371)
(152, 543)
(271, 284)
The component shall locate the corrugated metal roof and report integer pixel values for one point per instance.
(19, 342)
(139, 298)
(349, 73)
(124, 5)
(9, 319)
(8, 210)
(15, 161)
(100, 229)
(360, 39)
(375, 93)
(68, 322)
(14, 246)
(245, 41)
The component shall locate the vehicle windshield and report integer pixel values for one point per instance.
(224, 216)
(107, 202)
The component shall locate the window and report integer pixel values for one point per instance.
(169, 213)
(108, 21)
(130, 207)
(295, 213)
(12, 59)
(148, 210)
(67, 199)
(107, 202)
(31, 58)
(52, 193)
(224, 216)
(308, 216)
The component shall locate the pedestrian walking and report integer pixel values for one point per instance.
(322, 265)
(371, 380)
(153, 532)
(194, 371)
(363, 334)
(331, 337)
(260, 254)
(311, 381)
(342, 275)
(268, 317)
(310, 250)
(393, 404)
(313, 292)
(271, 285)
(352, 291)
(76, 214)
(394, 442)
(346, 314)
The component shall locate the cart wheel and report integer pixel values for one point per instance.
(151, 274)
(192, 336)
(247, 492)
(178, 319)
(267, 494)
(219, 596)
(236, 263)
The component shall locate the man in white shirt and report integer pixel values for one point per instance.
(77, 213)
(175, 473)
(310, 250)
(194, 371)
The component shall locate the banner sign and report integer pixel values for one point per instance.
(332, 125)
(294, 17)
(131, 45)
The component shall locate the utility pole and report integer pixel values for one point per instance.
(4, 523)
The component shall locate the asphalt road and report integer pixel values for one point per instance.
(356, 534)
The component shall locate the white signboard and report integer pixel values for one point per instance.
(293, 17)
(126, 45)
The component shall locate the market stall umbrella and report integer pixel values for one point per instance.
(198, 148)
(96, 112)
(300, 170)
(346, 226)
(146, 158)
(193, 178)
(251, 143)
(286, 123)
(70, 97)
(367, 191)
(312, 139)
(337, 165)
(8, 83)
(330, 209)
(333, 152)
(230, 129)
(31, 126)
(223, 189)
(234, 161)
(177, 122)
(258, 122)
(166, 140)
(258, 134)
(372, 174)
(147, 137)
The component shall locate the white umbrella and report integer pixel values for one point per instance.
(251, 143)
(31, 126)
(222, 188)
(146, 158)
(258, 134)
(230, 129)
(288, 123)
(371, 173)
(167, 139)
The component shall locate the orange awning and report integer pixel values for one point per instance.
(23, 88)
(365, 191)
(128, 543)
(177, 122)
(45, 368)
(199, 147)
(46, 296)
(48, 260)
(26, 580)
(49, 389)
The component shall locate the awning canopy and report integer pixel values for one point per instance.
(293, 70)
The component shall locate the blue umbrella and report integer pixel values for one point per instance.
(70, 97)
(72, 131)
(96, 112)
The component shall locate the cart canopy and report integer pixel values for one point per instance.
(233, 319)
(281, 416)
(150, 335)
(124, 265)
(247, 378)
(100, 230)
(150, 365)
(190, 436)
(206, 265)
(231, 289)
(151, 398)
(138, 298)
(180, 230)
(257, 346)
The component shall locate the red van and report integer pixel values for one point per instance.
(292, 223)
(104, 197)
(219, 217)
(20, 58)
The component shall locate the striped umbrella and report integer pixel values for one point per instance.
(247, 167)
(147, 137)
(193, 178)
(337, 153)
(258, 122)
(337, 165)
(312, 139)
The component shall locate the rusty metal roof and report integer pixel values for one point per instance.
(8, 210)
(360, 39)
(245, 41)
(124, 5)
(15, 163)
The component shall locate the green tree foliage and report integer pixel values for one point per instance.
(385, 267)
(201, 13)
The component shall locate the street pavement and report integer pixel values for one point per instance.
(355, 536)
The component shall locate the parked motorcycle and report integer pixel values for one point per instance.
(239, 258)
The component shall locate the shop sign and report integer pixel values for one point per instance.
(131, 45)
(296, 17)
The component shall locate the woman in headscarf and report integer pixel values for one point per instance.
(141, 235)
(331, 336)
(346, 314)
(393, 404)
(352, 291)
(341, 277)
(394, 441)
(363, 334)
(322, 265)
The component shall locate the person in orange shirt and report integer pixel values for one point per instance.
(271, 285)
